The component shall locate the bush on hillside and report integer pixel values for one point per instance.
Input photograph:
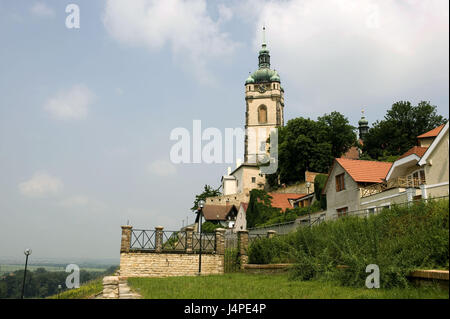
(398, 240)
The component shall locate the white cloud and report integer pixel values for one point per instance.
(41, 184)
(183, 26)
(346, 52)
(70, 104)
(162, 168)
(82, 201)
(40, 9)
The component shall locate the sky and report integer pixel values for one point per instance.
(86, 113)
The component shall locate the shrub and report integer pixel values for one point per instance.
(398, 240)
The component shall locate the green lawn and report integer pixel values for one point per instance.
(257, 286)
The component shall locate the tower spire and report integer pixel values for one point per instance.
(363, 125)
(264, 57)
(264, 36)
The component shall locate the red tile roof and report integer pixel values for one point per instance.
(281, 200)
(418, 150)
(433, 133)
(365, 171)
(218, 212)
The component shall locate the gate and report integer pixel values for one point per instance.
(231, 256)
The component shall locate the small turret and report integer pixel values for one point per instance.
(363, 126)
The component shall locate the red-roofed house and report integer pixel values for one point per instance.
(346, 179)
(362, 187)
(284, 200)
(420, 173)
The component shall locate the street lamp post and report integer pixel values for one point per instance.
(201, 204)
(27, 252)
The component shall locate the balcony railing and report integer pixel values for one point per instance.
(399, 182)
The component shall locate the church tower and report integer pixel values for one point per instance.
(264, 99)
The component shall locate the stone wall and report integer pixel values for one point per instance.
(158, 262)
(143, 264)
(234, 199)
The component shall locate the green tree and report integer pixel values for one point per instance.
(305, 144)
(319, 184)
(341, 134)
(208, 191)
(398, 131)
(259, 208)
(209, 227)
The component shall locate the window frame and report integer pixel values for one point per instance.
(340, 182)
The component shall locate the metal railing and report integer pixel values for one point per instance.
(143, 239)
(253, 237)
(280, 228)
(208, 242)
(398, 182)
(366, 212)
(174, 241)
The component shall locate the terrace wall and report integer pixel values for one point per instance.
(159, 260)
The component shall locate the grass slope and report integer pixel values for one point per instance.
(86, 291)
(275, 286)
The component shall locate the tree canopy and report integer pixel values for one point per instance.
(305, 144)
(398, 131)
(208, 191)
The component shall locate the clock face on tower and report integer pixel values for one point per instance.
(262, 88)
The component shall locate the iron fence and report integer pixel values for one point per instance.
(143, 239)
(253, 237)
(366, 212)
(280, 228)
(174, 241)
(208, 242)
(231, 241)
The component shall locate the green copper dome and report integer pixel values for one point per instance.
(250, 80)
(264, 73)
(363, 121)
(275, 77)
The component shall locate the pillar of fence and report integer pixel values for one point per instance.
(271, 233)
(243, 247)
(220, 241)
(158, 238)
(126, 239)
(189, 239)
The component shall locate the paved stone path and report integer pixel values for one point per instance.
(124, 291)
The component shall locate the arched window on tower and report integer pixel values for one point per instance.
(262, 114)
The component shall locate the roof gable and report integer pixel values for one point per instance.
(436, 141)
(218, 212)
(418, 150)
(362, 171)
(281, 200)
(432, 133)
